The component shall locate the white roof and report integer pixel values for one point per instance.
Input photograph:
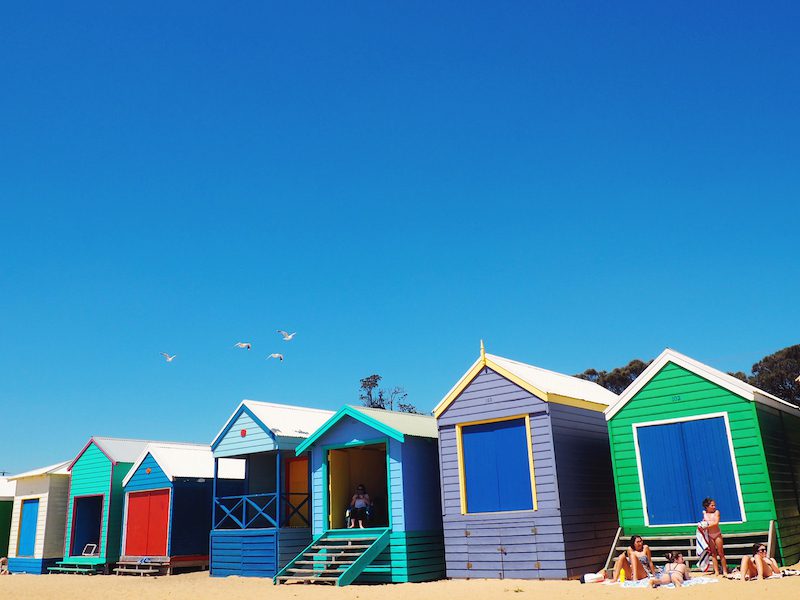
(186, 460)
(56, 469)
(284, 420)
(405, 423)
(119, 449)
(551, 382)
(7, 489)
(729, 382)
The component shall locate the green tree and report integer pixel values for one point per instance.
(617, 379)
(372, 396)
(778, 373)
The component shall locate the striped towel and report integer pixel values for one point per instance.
(703, 553)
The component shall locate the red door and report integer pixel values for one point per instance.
(147, 523)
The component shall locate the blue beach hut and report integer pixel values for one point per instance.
(39, 519)
(527, 484)
(167, 508)
(395, 456)
(262, 521)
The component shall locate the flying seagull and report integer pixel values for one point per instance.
(247, 345)
(276, 355)
(287, 337)
(167, 357)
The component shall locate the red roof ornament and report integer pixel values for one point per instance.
(243, 432)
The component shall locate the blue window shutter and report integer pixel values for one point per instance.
(497, 467)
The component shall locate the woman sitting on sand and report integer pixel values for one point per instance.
(636, 562)
(759, 565)
(675, 571)
(3, 566)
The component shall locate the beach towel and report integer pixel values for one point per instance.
(642, 583)
(702, 542)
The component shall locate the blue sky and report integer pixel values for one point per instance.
(577, 184)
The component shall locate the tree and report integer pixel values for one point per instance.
(777, 374)
(617, 379)
(372, 396)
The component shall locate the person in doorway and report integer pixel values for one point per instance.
(759, 565)
(360, 505)
(714, 535)
(636, 562)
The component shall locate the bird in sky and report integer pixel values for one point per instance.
(167, 357)
(276, 355)
(287, 337)
(246, 345)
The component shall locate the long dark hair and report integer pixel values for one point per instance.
(633, 540)
(707, 501)
(673, 556)
(757, 547)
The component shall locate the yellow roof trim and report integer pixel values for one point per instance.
(482, 362)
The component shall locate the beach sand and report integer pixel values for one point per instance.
(199, 586)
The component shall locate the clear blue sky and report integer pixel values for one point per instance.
(577, 184)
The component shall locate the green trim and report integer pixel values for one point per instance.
(349, 411)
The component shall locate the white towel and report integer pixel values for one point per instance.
(703, 553)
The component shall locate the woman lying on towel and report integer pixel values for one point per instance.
(759, 565)
(636, 562)
(675, 571)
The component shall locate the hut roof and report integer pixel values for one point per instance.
(392, 423)
(7, 489)
(729, 382)
(56, 469)
(186, 460)
(547, 385)
(284, 420)
(118, 450)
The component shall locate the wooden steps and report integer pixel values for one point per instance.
(68, 568)
(334, 558)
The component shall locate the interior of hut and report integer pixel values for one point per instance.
(351, 467)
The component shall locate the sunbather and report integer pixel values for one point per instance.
(759, 565)
(636, 562)
(675, 571)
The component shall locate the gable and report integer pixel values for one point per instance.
(142, 480)
(489, 395)
(91, 472)
(232, 442)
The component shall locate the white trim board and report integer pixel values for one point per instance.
(730, 383)
(724, 415)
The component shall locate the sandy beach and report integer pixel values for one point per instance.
(199, 586)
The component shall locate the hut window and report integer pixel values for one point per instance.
(496, 466)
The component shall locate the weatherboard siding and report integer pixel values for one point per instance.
(34, 488)
(190, 509)
(586, 486)
(256, 439)
(422, 503)
(410, 557)
(781, 435)
(141, 480)
(91, 475)
(243, 552)
(56, 516)
(115, 512)
(292, 541)
(675, 392)
(533, 540)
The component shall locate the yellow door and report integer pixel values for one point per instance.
(338, 487)
(297, 491)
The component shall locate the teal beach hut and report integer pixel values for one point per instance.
(395, 456)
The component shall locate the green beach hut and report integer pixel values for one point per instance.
(684, 431)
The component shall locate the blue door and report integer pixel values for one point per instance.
(683, 463)
(29, 518)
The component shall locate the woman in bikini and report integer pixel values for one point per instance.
(759, 565)
(715, 545)
(675, 571)
(636, 562)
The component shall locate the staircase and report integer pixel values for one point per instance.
(736, 546)
(336, 557)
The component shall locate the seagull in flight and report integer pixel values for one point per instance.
(246, 345)
(276, 355)
(167, 357)
(287, 337)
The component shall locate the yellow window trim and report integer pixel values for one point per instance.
(462, 482)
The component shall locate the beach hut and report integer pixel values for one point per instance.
(262, 521)
(94, 507)
(683, 431)
(526, 475)
(167, 508)
(6, 506)
(39, 517)
(394, 455)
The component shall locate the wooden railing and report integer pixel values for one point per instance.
(258, 510)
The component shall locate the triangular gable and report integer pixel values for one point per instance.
(91, 442)
(156, 478)
(486, 360)
(243, 409)
(354, 413)
(728, 382)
